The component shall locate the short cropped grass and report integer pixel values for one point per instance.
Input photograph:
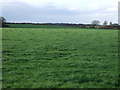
(59, 58)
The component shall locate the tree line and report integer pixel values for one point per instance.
(94, 24)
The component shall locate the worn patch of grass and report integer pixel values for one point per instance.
(59, 58)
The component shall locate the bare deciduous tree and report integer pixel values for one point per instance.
(95, 22)
(2, 21)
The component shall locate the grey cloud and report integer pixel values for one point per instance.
(50, 13)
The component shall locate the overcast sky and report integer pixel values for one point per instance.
(60, 11)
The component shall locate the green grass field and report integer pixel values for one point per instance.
(59, 58)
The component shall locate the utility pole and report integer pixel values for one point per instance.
(119, 12)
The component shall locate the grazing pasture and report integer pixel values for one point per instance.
(59, 57)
